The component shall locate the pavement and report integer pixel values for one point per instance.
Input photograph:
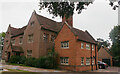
(30, 69)
(33, 69)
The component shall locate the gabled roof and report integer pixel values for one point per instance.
(48, 23)
(106, 49)
(17, 31)
(17, 49)
(82, 35)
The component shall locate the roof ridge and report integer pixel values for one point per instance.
(47, 18)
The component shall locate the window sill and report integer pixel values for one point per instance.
(64, 64)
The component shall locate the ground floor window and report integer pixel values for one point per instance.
(64, 60)
(87, 61)
(93, 61)
(29, 53)
(82, 60)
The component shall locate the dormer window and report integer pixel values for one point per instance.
(32, 23)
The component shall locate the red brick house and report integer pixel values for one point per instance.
(104, 55)
(33, 40)
(77, 49)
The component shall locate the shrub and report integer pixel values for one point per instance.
(30, 62)
(14, 59)
(22, 59)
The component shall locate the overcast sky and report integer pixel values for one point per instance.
(98, 19)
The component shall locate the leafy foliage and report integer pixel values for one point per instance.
(63, 8)
(49, 61)
(115, 38)
(102, 42)
(114, 5)
(14, 59)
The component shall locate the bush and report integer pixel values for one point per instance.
(22, 59)
(30, 62)
(49, 61)
(14, 59)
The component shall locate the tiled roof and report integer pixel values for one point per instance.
(17, 31)
(49, 24)
(82, 35)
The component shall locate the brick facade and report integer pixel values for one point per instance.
(104, 53)
(74, 52)
(38, 38)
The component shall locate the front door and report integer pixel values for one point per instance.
(18, 53)
(8, 55)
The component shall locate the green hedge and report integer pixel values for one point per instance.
(48, 61)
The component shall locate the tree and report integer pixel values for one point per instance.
(102, 42)
(3, 34)
(63, 8)
(115, 38)
(114, 4)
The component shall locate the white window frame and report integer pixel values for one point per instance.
(29, 53)
(13, 41)
(64, 60)
(65, 44)
(82, 45)
(88, 46)
(30, 38)
(82, 60)
(87, 61)
(93, 61)
(92, 47)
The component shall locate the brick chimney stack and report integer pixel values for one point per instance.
(69, 20)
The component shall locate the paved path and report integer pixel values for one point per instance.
(31, 69)
(109, 69)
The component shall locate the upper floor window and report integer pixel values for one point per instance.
(64, 60)
(13, 41)
(93, 61)
(87, 61)
(29, 53)
(88, 46)
(32, 23)
(92, 47)
(82, 60)
(20, 40)
(82, 45)
(52, 38)
(46, 36)
(65, 44)
(30, 38)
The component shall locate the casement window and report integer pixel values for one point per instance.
(52, 38)
(30, 38)
(13, 41)
(46, 36)
(87, 61)
(82, 45)
(20, 40)
(93, 61)
(32, 23)
(7, 43)
(65, 44)
(92, 47)
(29, 53)
(64, 60)
(82, 60)
(88, 46)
